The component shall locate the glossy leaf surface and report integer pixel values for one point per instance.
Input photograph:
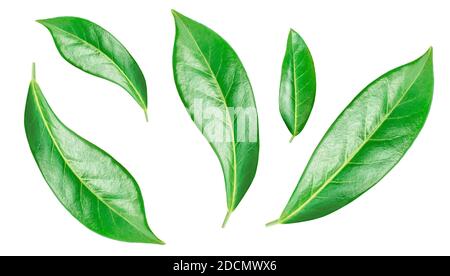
(298, 84)
(210, 78)
(94, 50)
(365, 142)
(92, 185)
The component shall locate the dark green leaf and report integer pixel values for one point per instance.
(93, 187)
(216, 91)
(365, 142)
(298, 84)
(94, 50)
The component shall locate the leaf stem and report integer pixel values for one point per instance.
(146, 115)
(292, 139)
(227, 217)
(272, 223)
(33, 71)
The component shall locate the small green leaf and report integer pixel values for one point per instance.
(365, 142)
(215, 89)
(298, 84)
(94, 50)
(91, 185)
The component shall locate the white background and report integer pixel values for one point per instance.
(352, 42)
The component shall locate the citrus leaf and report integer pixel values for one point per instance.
(94, 50)
(298, 84)
(91, 185)
(214, 87)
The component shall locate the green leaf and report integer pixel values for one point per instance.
(215, 89)
(94, 50)
(298, 84)
(365, 142)
(91, 185)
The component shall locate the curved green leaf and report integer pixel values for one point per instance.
(365, 142)
(298, 84)
(91, 185)
(216, 91)
(94, 50)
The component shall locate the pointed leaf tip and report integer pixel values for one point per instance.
(175, 13)
(158, 241)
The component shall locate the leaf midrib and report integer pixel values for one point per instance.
(348, 160)
(295, 87)
(136, 91)
(222, 95)
(80, 179)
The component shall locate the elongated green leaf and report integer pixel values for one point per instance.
(216, 91)
(298, 84)
(365, 142)
(93, 187)
(94, 50)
